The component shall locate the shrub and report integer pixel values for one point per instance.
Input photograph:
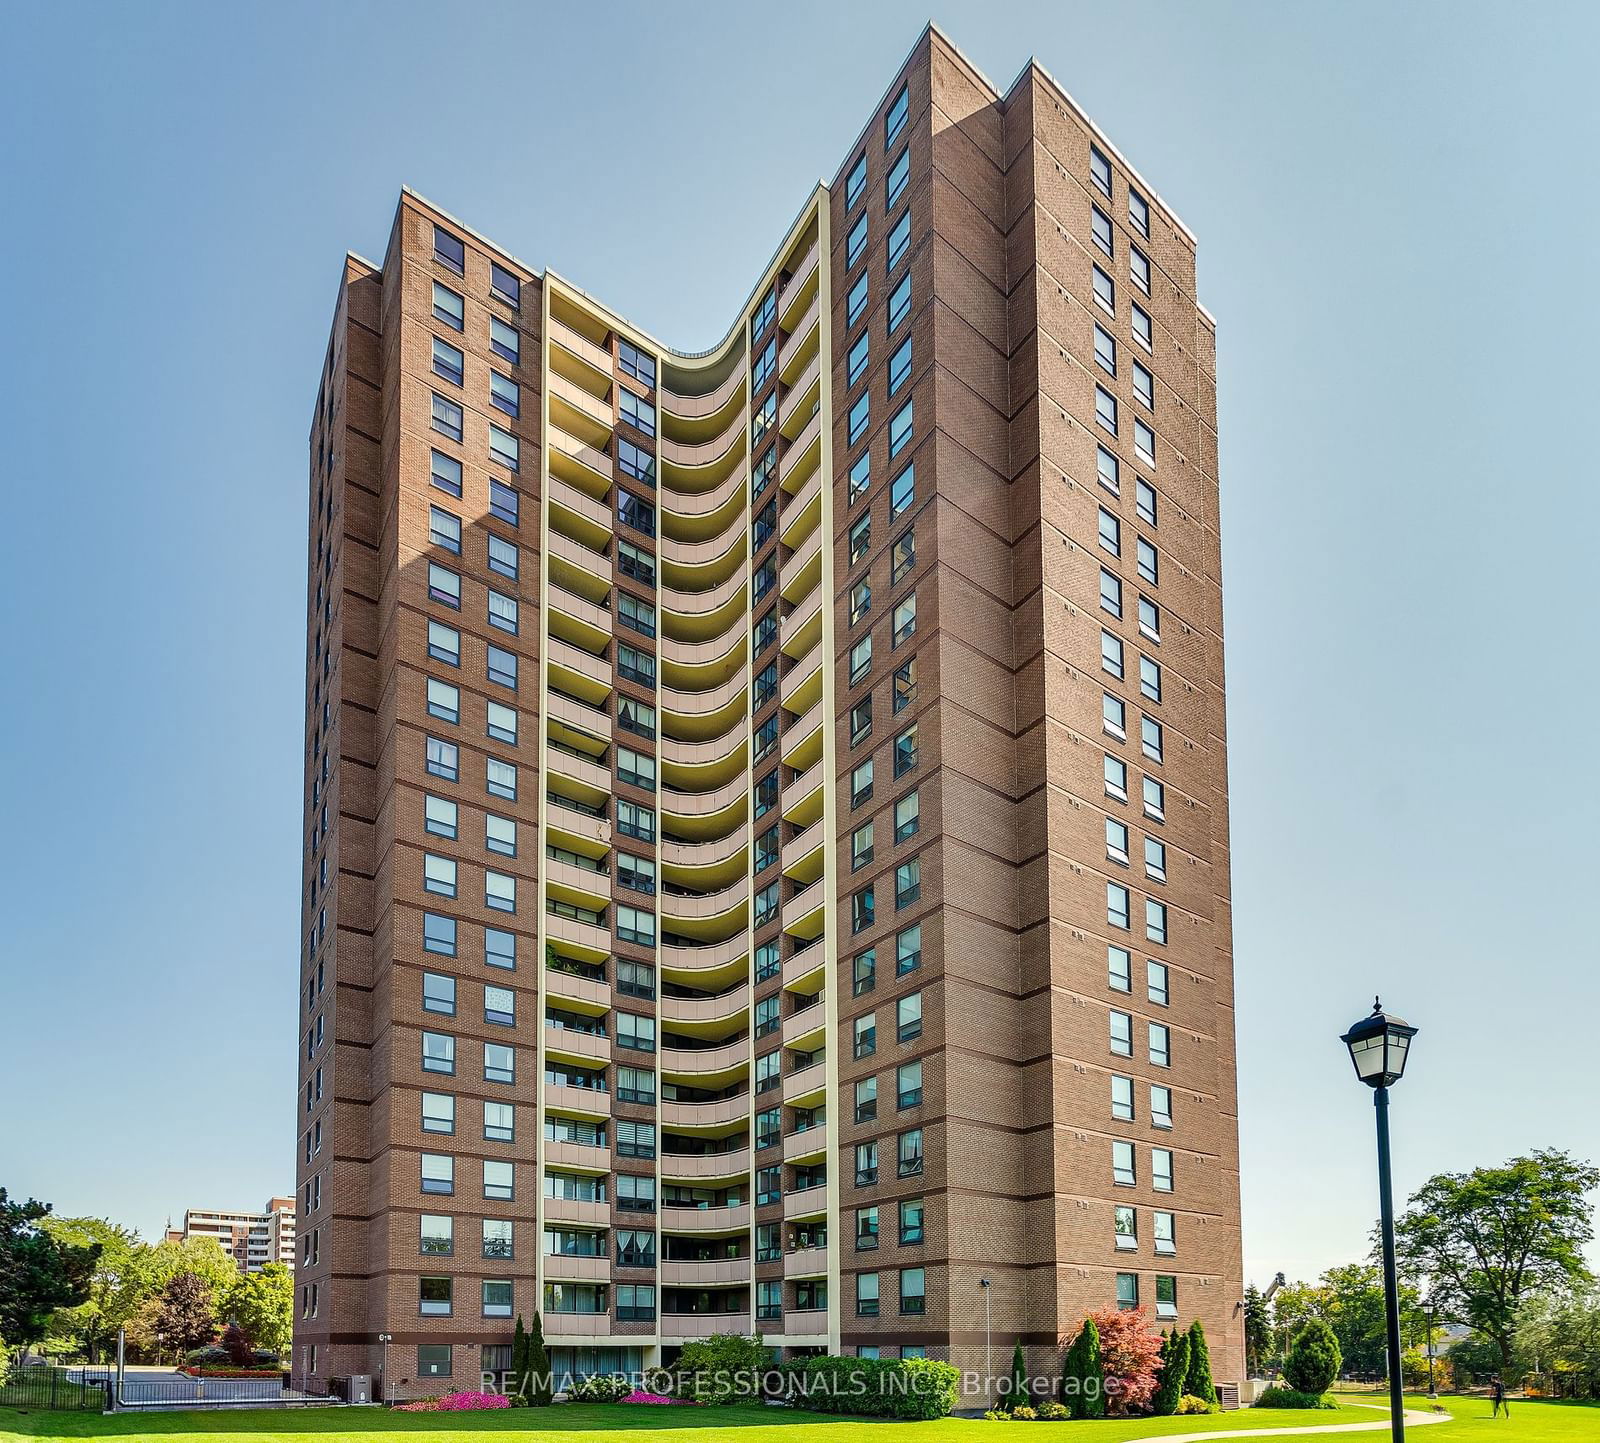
(534, 1380)
(1024, 1414)
(1314, 1358)
(1291, 1398)
(1130, 1357)
(209, 1356)
(1082, 1380)
(600, 1388)
(1189, 1403)
(236, 1345)
(1197, 1380)
(724, 1368)
(905, 1388)
(637, 1396)
(1052, 1412)
(1017, 1383)
(997, 1415)
(1168, 1396)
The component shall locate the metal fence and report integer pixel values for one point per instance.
(55, 1389)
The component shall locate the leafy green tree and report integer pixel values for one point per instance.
(1174, 1369)
(39, 1274)
(206, 1258)
(91, 1327)
(1197, 1381)
(1558, 1337)
(1476, 1360)
(1313, 1361)
(537, 1372)
(724, 1368)
(1017, 1392)
(519, 1366)
(1489, 1239)
(1257, 1332)
(262, 1304)
(1082, 1376)
(188, 1316)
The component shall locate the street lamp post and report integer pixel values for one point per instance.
(988, 1366)
(1433, 1392)
(1378, 1046)
(383, 1367)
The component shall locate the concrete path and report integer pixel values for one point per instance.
(1415, 1418)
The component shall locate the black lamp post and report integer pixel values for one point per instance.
(1378, 1046)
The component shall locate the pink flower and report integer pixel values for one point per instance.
(637, 1397)
(457, 1403)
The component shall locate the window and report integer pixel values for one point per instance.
(1150, 740)
(1160, 1045)
(1116, 772)
(861, 909)
(855, 304)
(637, 926)
(899, 303)
(439, 993)
(1144, 442)
(1138, 212)
(448, 362)
(855, 366)
(1121, 1034)
(908, 1084)
(438, 1174)
(906, 817)
(908, 950)
(856, 242)
(635, 461)
(1105, 409)
(433, 1360)
(443, 759)
(504, 340)
(1164, 1231)
(905, 619)
(1155, 860)
(1142, 330)
(1116, 839)
(636, 769)
(1139, 268)
(859, 418)
(1149, 562)
(861, 846)
(1155, 799)
(499, 1063)
(1161, 1169)
(866, 1295)
(1149, 618)
(444, 529)
(1100, 228)
(900, 428)
(1144, 386)
(499, 1122)
(1160, 1106)
(498, 1181)
(908, 1017)
(499, 892)
(636, 411)
(1108, 469)
(634, 362)
(1122, 1098)
(894, 120)
(861, 783)
(504, 394)
(1155, 920)
(860, 476)
(1156, 984)
(856, 182)
(860, 659)
(1105, 292)
(866, 1164)
(502, 613)
(439, 1053)
(634, 562)
(1127, 1291)
(905, 750)
(444, 586)
(899, 240)
(447, 421)
(439, 875)
(503, 557)
(1125, 1224)
(1105, 350)
(902, 492)
(903, 554)
(449, 251)
(635, 665)
(1099, 170)
(439, 816)
(905, 684)
(446, 473)
(907, 882)
(438, 1112)
(864, 1036)
(1111, 654)
(1123, 1172)
(899, 176)
(502, 667)
(908, 1153)
(900, 366)
(1110, 533)
(499, 948)
(913, 1291)
(866, 1099)
(861, 721)
(439, 934)
(636, 512)
(1113, 714)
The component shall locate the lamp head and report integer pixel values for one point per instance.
(1379, 1044)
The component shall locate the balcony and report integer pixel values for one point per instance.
(801, 346)
(803, 570)
(577, 776)
(713, 860)
(805, 1086)
(803, 854)
(809, 1202)
(578, 412)
(801, 687)
(807, 1263)
(574, 1268)
(711, 966)
(805, 912)
(578, 567)
(578, 515)
(701, 614)
(585, 467)
(803, 402)
(586, 941)
(706, 1114)
(799, 461)
(801, 629)
(586, 1048)
(802, 796)
(575, 356)
(802, 740)
(702, 1325)
(584, 727)
(804, 1029)
(703, 515)
(705, 1166)
(577, 1325)
(572, 1210)
(695, 1010)
(581, 886)
(577, 1157)
(801, 285)
(567, 825)
(575, 670)
(802, 513)
(805, 966)
(702, 715)
(710, 1273)
(580, 1101)
(704, 1066)
(688, 456)
(709, 405)
(806, 1145)
(569, 988)
(705, 1220)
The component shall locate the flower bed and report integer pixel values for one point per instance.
(206, 1371)
(456, 1403)
(639, 1397)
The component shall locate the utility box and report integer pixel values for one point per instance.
(358, 1388)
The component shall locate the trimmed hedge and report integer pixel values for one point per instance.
(903, 1388)
(1291, 1398)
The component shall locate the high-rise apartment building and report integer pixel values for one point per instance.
(252, 1239)
(767, 850)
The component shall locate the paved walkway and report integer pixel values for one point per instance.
(1415, 1418)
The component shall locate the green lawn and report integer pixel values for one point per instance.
(1469, 1422)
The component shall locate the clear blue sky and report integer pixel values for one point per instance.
(1397, 223)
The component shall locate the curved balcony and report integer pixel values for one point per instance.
(708, 864)
(711, 967)
(709, 915)
(577, 1157)
(800, 457)
(706, 814)
(580, 465)
(579, 412)
(806, 1202)
(705, 1220)
(802, 284)
(573, 1210)
(806, 1145)
(708, 406)
(707, 1066)
(704, 514)
(704, 1166)
(582, 1047)
(704, 1274)
(700, 766)
(700, 715)
(700, 615)
(575, 1267)
(717, 1114)
(687, 467)
(695, 1011)
(702, 665)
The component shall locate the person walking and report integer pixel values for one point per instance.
(1497, 1391)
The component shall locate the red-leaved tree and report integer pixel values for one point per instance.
(1130, 1354)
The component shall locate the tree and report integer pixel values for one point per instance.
(204, 1257)
(1357, 1313)
(1130, 1357)
(187, 1317)
(113, 1286)
(236, 1345)
(1174, 1369)
(1197, 1376)
(1313, 1361)
(1489, 1239)
(262, 1304)
(39, 1274)
(536, 1375)
(1257, 1332)
(519, 1366)
(1558, 1336)
(1083, 1384)
(1017, 1392)
(724, 1368)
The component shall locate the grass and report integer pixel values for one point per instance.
(1469, 1423)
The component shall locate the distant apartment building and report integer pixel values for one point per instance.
(766, 820)
(251, 1238)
